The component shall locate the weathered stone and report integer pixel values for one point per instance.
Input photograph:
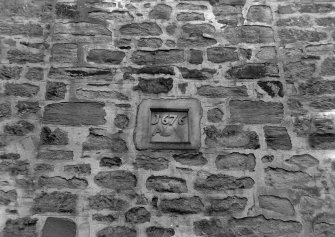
(325, 21)
(319, 49)
(272, 88)
(286, 9)
(64, 53)
(15, 167)
(26, 107)
(296, 180)
(195, 74)
(20, 128)
(260, 226)
(161, 12)
(67, 73)
(55, 227)
(171, 29)
(99, 139)
(276, 204)
(222, 92)
(206, 182)
(249, 34)
(158, 57)
(166, 184)
(55, 90)
(5, 110)
(322, 141)
(60, 182)
(123, 43)
(190, 6)
(103, 56)
(154, 231)
(260, 13)
(227, 206)
(195, 40)
(252, 71)
(303, 161)
(78, 169)
(110, 162)
(117, 231)
(316, 8)
(323, 104)
(101, 202)
(7, 197)
(214, 115)
(141, 29)
(121, 121)
(55, 155)
(267, 158)
(155, 85)
(60, 202)
(255, 112)
(40, 168)
(35, 73)
(199, 29)
(117, 180)
(41, 45)
(288, 36)
(67, 11)
(10, 156)
(267, 53)
(231, 137)
(301, 69)
(196, 56)
(327, 66)
(8, 73)
(116, 16)
(192, 159)
(228, 14)
(222, 54)
(182, 206)
(150, 42)
(277, 138)
(74, 113)
(236, 161)
(190, 16)
(302, 21)
(104, 218)
(212, 227)
(30, 29)
(23, 90)
(137, 215)
(21, 227)
(151, 163)
(314, 88)
(324, 229)
(56, 137)
(81, 32)
(154, 70)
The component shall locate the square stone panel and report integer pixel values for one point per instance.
(169, 124)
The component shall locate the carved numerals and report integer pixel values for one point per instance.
(165, 124)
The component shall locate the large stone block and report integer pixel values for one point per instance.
(166, 184)
(59, 227)
(256, 112)
(158, 57)
(117, 180)
(141, 29)
(21, 227)
(74, 113)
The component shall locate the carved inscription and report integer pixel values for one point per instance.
(169, 126)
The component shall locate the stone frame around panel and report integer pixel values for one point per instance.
(143, 122)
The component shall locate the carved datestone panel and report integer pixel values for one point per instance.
(168, 124)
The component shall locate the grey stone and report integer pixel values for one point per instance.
(166, 184)
(236, 161)
(59, 227)
(117, 180)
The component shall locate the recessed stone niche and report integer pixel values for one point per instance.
(59, 227)
(168, 124)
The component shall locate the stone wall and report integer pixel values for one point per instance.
(73, 73)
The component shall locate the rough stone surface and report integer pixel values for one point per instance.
(75, 113)
(206, 182)
(222, 55)
(193, 159)
(141, 29)
(117, 180)
(252, 71)
(137, 215)
(20, 128)
(158, 57)
(161, 12)
(151, 163)
(21, 227)
(102, 56)
(277, 138)
(54, 227)
(249, 34)
(8, 73)
(231, 137)
(236, 161)
(101, 202)
(154, 231)
(182, 206)
(260, 13)
(23, 90)
(276, 204)
(166, 184)
(155, 86)
(222, 92)
(256, 112)
(60, 182)
(117, 231)
(59, 202)
(227, 206)
(214, 115)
